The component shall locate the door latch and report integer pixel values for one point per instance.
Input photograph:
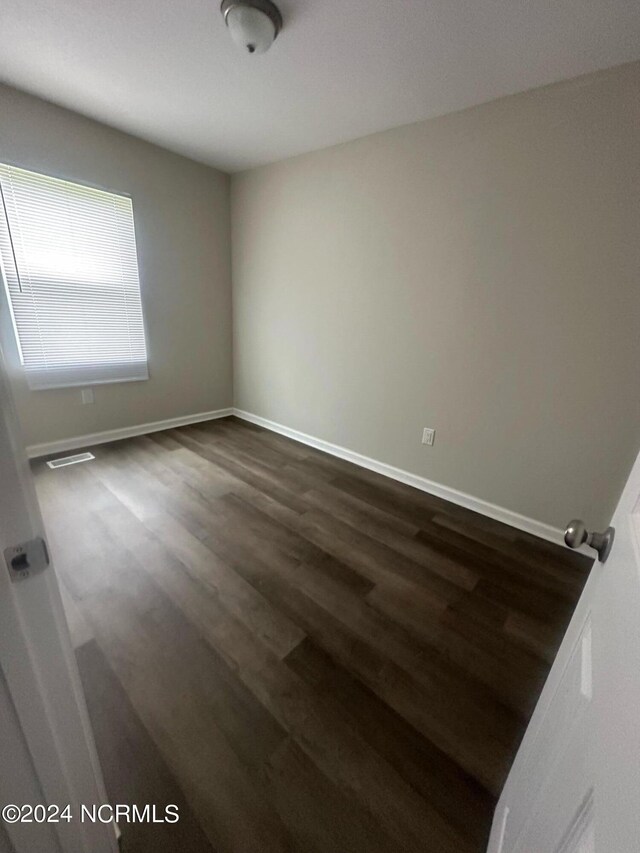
(27, 559)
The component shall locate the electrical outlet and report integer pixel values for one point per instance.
(428, 436)
(87, 395)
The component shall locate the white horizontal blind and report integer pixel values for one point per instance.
(69, 260)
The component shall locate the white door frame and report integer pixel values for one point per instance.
(44, 726)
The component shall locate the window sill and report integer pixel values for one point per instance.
(45, 381)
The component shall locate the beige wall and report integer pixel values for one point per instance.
(181, 214)
(477, 273)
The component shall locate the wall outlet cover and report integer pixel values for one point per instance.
(428, 436)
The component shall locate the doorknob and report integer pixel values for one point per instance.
(577, 534)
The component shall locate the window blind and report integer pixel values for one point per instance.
(70, 268)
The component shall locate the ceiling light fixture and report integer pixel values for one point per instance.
(253, 24)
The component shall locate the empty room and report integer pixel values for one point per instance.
(320, 426)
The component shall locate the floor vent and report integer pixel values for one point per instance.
(70, 460)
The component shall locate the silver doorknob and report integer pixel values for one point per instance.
(577, 534)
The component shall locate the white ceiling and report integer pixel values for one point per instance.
(167, 70)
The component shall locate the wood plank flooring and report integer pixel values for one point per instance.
(304, 655)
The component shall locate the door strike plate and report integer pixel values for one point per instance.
(27, 559)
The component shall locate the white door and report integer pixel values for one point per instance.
(575, 784)
(46, 745)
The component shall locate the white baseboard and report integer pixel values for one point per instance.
(507, 516)
(499, 513)
(64, 444)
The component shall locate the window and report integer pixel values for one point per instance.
(69, 264)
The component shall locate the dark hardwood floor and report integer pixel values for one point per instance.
(303, 655)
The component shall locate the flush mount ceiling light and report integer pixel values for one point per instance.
(253, 24)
